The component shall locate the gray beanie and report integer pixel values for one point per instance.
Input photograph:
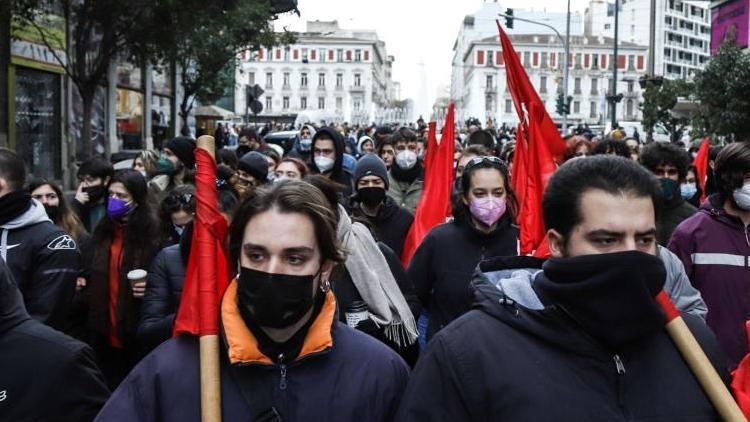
(370, 165)
(255, 164)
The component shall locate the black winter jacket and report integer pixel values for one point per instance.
(44, 261)
(163, 290)
(44, 374)
(338, 174)
(442, 266)
(390, 226)
(506, 361)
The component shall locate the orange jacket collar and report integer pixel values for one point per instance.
(242, 345)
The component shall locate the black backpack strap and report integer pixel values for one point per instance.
(256, 396)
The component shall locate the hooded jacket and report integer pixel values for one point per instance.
(44, 374)
(390, 225)
(44, 261)
(715, 250)
(297, 151)
(513, 358)
(442, 266)
(340, 375)
(338, 174)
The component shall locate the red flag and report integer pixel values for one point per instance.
(435, 206)
(701, 166)
(741, 379)
(207, 274)
(432, 144)
(539, 147)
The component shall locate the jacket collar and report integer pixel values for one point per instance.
(242, 345)
(714, 206)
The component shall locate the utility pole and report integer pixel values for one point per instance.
(652, 41)
(566, 72)
(613, 94)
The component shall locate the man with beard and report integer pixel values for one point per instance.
(90, 201)
(42, 258)
(407, 174)
(579, 337)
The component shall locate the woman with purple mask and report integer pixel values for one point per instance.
(483, 228)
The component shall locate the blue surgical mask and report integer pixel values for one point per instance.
(305, 144)
(688, 190)
(178, 229)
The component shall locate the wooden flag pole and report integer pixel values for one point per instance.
(209, 344)
(700, 365)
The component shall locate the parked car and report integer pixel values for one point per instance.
(286, 139)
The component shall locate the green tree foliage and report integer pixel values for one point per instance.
(723, 89)
(658, 103)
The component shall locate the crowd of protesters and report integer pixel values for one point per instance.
(322, 320)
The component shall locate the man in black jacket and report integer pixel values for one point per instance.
(43, 259)
(579, 337)
(45, 375)
(389, 222)
(328, 159)
(90, 200)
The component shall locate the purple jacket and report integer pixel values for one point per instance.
(715, 249)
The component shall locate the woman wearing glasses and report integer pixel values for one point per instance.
(483, 227)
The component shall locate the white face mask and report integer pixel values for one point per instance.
(406, 159)
(742, 197)
(324, 164)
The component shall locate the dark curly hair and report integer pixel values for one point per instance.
(658, 154)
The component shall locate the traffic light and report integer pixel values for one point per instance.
(560, 105)
(567, 104)
(509, 18)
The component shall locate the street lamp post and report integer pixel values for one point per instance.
(613, 94)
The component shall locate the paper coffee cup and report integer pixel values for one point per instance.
(137, 275)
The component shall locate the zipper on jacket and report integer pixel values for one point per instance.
(620, 367)
(282, 368)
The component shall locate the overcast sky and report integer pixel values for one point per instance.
(414, 31)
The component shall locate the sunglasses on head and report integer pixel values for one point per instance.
(486, 159)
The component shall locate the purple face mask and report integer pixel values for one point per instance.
(487, 210)
(117, 208)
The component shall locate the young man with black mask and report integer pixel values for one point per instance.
(90, 201)
(328, 159)
(389, 222)
(42, 258)
(284, 355)
(407, 174)
(579, 337)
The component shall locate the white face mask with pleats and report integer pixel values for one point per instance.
(742, 197)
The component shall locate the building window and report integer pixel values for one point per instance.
(357, 55)
(303, 80)
(269, 102)
(321, 79)
(285, 103)
(545, 60)
(357, 104)
(269, 80)
(304, 55)
(321, 103)
(631, 85)
(576, 107)
(577, 86)
(490, 82)
(339, 103)
(286, 79)
(629, 108)
(339, 80)
(543, 84)
(357, 79)
(303, 103)
(508, 106)
(251, 78)
(526, 58)
(595, 61)
(592, 111)
(340, 55)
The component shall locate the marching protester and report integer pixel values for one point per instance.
(328, 159)
(689, 190)
(365, 145)
(578, 146)
(176, 210)
(389, 223)
(177, 162)
(46, 375)
(146, 163)
(283, 352)
(670, 164)
(57, 207)
(465, 156)
(407, 173)
(90, 201)
(42, 258)
(303, 145)
(291, 168)
(612, 146)
(252, 170)
(585, 321)
(714, 245)
(386, 151)
(483, 227)
(121, 244)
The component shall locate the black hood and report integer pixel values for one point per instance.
(338, 142)
(12, 309)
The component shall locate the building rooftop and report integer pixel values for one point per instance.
(546, 39)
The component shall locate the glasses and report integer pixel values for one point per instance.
(486, 159)
(184, 199)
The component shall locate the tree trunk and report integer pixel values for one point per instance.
(88, 104)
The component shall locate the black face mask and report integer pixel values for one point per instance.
(274, 300)
(53, 211)
(371, 196)
(96, 193)
(610, 295)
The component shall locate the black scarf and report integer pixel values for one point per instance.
(409, 175)
(610, 295)
(291, 348)
(13, 205)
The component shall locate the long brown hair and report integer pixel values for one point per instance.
(66, 219)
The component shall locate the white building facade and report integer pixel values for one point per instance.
(329, 74)
(683, 31)
(485, 94)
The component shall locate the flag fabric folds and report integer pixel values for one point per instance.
(207, 274)
(435, 206)
(701, 166)
(539, 148)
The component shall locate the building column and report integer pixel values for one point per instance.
(111, 130)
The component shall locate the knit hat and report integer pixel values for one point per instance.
(370, 165)
(254, 164)
(184, 148)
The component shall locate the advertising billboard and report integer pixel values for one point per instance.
(729, 22)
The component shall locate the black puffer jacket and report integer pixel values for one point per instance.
(166, 278)
(390, 226)
(442, 266)
(509, 359)
(44, 374)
